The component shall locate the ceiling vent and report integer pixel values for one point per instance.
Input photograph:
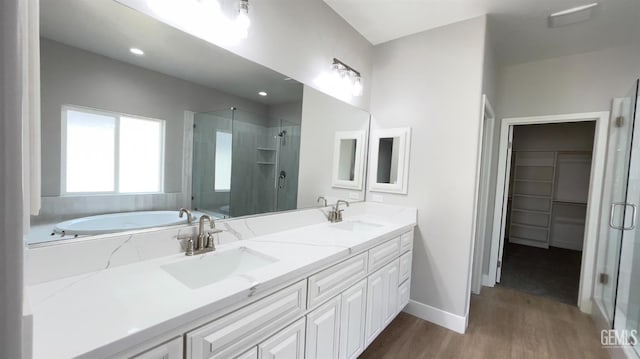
(573, 16)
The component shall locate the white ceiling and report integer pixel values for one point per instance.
(518, 27)
(110, 29)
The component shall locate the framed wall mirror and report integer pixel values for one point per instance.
(390, 150)
(140, 119)
(348, 159)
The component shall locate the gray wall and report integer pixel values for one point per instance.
(432, 82)
(76, 77)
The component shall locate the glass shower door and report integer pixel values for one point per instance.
(627, 303)
(615, 197)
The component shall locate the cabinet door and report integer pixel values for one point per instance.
(403, 294)
(169, 350)
(390, 302)
(286, 344)
(352, 321)
(375, 298)
(249, 354)
(323, 331)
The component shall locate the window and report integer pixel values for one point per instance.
(105, 152)
(223, 161)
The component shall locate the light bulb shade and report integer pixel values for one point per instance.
(357, 86)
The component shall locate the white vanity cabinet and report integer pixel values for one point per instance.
(333, 313)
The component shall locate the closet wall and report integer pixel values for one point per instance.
(550, 176)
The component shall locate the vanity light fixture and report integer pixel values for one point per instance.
(262, 93)
(243, 22)
(347, 76)
(136, 51)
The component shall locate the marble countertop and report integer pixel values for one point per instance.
(104, 312)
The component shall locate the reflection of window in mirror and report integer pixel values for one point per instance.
(108, 152)
(388, 160)
(223, 161)
(347, 163)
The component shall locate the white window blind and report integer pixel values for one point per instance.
(223, 161)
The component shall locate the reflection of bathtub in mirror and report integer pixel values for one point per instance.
(119, 222)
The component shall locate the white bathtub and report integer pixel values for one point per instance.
(119, 222)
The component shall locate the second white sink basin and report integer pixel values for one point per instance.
(356, 226)
(205, 269)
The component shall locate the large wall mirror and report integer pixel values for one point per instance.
(140, 119)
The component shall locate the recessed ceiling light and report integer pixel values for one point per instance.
(288, 79)
(136, 51)
(262, 93)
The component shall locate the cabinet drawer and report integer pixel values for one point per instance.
(383, 254)
(405, 266)
(406, 242)
(169, 350)
(336, 279)
(247, 326)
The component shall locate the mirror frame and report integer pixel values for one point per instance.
(358, 178)
(401, 186)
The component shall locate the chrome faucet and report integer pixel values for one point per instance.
(321, 198)
(189, 216)
(335, 215)
(205, 242)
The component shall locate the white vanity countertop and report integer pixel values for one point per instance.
(101, 313)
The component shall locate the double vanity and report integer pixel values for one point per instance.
(271, 289)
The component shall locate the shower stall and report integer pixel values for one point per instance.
(244, 163)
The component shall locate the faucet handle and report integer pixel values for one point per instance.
(191, 250)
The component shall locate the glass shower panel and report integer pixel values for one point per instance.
(627, 306)
(212, 162)
(615, 193)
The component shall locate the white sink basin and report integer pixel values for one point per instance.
(356, 226)
(205, 269)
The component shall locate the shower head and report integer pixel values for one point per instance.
(282, 133)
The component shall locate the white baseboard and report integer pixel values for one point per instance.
(437, 316)
(486, 281)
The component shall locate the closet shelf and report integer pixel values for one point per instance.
(265, 149)
(545, 228)
(266, 163)
(531, 196)
(532, 180)
(530, 211)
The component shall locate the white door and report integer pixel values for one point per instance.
(323, 331)
(505, 201)
(352, 321)
(375, 299)
(391, 291)
(286, 344)
(169, 350)
(249, 354)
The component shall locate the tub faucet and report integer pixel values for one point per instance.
(324, 200)
(335, 215)
(189, 216)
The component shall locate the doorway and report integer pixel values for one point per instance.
(546, 209)
(501, 224)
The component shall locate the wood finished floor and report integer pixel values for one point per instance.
(503, 323)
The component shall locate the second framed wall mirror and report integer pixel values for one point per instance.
(390, 160)
(348, 159)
